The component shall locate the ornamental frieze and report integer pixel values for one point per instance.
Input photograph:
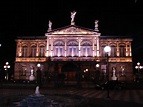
(73, 30)
(30, 59)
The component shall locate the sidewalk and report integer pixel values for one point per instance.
(52, 84)
(84, 97)
(68, 97)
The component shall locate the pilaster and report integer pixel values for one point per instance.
(47, 49)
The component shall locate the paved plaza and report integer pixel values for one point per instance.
(71, 95)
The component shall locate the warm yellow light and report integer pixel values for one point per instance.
(72, 54)
(20, 54)
(58, 55)
(86, 54)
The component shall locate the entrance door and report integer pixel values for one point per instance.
(70, 69)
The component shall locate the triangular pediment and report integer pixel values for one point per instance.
(72, 30)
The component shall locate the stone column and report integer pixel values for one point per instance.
(28, 49)
(65, 47)
(51, 47)
(19, 49)
(130, 49)
(117, 51)
(79, 46)
(95, 46)
(47, 49)
(97, 42)
(93, 53)
(126, 49)
(37, 49)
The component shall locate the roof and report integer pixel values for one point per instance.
(115, 37)
(71, 29)
(32, 37)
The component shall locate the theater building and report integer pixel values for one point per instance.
(73, 50)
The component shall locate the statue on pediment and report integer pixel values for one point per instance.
(73, 16)
(96, 25)
(50, 26)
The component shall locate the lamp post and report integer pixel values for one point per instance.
(97, 65)
(39, 65)
(138, 67)
(6, 67)
(39, 75)
(97, 74)
(107, 49)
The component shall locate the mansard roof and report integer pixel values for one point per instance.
(31, 37)
(115, 37)
(72, 29)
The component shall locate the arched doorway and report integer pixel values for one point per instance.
(70, 69)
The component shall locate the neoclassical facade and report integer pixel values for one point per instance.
(71, 50)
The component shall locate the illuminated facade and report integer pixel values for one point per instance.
(72, 49)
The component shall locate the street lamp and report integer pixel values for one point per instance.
(97, 74)
(138, 67)
(39, 80)
(6, 67)
(97, 65)
(38, 65)
(107, 49)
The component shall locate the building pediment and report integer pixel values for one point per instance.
(72, 29)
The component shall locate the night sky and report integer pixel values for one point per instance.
(30, 18)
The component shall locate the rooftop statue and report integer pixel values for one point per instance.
(96, 25)
(50, 26)
(72, 16)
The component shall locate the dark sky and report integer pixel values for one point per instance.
(30, 18)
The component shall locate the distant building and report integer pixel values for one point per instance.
(72, 50)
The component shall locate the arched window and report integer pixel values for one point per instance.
(113, 51)
(58, 51)
(58, 48)
(86, 48)
(33, 51)
(24, 51)
(42, 51)
(122, 51)
(72, 48)
(102, 51)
